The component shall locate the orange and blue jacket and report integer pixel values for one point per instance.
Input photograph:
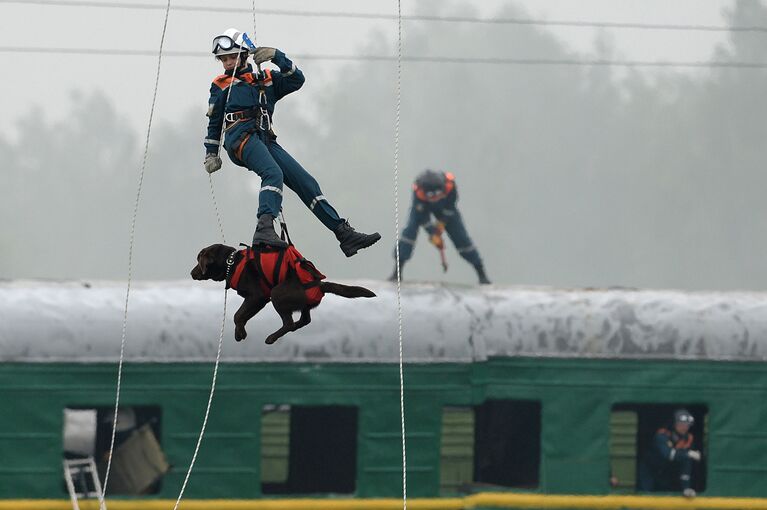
(245, 96)
(670, 446)
(441, 204)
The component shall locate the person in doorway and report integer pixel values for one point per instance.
(245, 112)
(670, 458)
(435, 194)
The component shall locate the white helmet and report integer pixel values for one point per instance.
(232, 41)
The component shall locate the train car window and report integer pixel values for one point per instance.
(308, 449)
(275, 445)
(507, 443)
(641, 461)
(456, 449)
(623, 450)
(138, 462)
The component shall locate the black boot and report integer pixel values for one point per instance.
(353, 241)
(265, 234)
(483, 280)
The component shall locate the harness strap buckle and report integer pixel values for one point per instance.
(265, 116)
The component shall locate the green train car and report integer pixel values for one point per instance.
(506, 389)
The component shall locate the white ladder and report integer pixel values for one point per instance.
(81, 469)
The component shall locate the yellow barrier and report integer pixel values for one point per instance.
(483, 500)
(502, 500)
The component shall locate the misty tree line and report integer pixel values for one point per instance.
(567, 175)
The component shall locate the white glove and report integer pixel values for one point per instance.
(694, 455)
(212, 163)
(263, 54)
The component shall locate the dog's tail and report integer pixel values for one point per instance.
(347, 291)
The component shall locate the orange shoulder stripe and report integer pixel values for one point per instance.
(222, 81)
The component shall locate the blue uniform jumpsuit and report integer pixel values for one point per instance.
(666, 459)
(445, 211)
(250, 143)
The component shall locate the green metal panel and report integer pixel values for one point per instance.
(456, 449)
(623, 449)
(576, 396)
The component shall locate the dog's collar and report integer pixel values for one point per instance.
(230, 261)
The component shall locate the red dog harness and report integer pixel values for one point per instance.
(272, 268)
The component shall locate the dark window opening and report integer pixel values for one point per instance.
(138, 462)
(642, 460)
(308, 449)
(507, 443)
(494, 444)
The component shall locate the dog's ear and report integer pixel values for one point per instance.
(202, 260)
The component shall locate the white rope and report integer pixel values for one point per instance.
(397, 255)
(210, 400)
(223, 318)
(253, 9)
(102, 503)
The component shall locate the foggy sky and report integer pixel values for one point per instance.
(568, 176)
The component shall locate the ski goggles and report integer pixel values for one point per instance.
(224, 42)
(434, 195)
(685, 418)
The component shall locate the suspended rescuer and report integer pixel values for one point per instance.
(250, 141)
(435, 194)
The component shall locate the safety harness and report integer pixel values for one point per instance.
(261, 113)
(272, 266)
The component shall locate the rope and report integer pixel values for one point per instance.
(102, 503)
(397, 255)
(228, 268)
(210, 399)
(255, 39)
(223, 318)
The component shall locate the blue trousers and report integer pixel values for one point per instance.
(654, 477)
(454, 228)
(275, 166)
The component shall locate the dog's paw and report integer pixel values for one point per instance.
(271, 339)
(240, 333)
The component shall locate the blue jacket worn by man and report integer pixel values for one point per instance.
(435, 194)
(241, 106)
(670, 457)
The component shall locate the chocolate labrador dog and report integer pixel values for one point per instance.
(283, 277)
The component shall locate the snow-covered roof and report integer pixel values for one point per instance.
(180, 321)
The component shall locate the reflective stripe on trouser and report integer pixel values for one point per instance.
(409, 234)
(685, 470)
(454, 228)
(255, 157)
(305, 186)
(457, 233)
(275, 166)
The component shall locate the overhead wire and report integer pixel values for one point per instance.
(572, 62)
(390, 17)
